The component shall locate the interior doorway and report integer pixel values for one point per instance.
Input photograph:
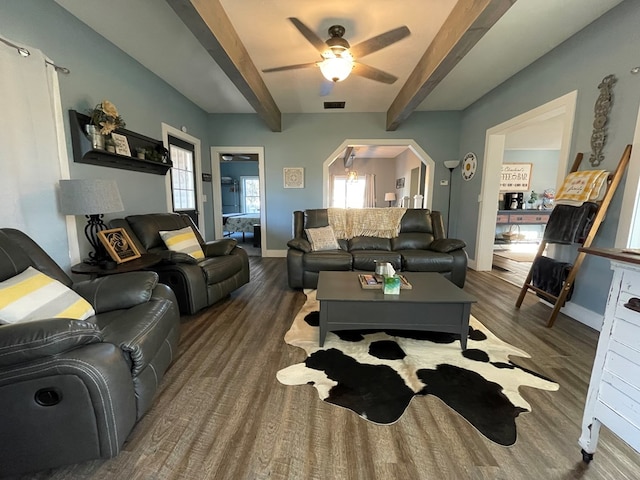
(425, 179)
(496, 137)
(250, 226)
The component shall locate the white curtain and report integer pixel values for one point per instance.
(369, 190)
(31, 153)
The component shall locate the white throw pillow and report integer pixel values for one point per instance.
(322, 238)
(32, 295)
(184, 241)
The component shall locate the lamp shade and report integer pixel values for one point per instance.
(451, 164)
(390, 197)
(337, 64)
(89, 197)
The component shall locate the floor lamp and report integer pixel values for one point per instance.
(451, 165)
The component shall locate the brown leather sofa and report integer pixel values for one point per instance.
(196, 283)
(72, 390)
(420, 246)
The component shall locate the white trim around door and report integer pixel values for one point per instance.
(493, 155)
(217, 190)
(174, 132)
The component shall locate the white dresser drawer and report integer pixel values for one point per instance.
(623, 371)
(631, 283)
(626, 328)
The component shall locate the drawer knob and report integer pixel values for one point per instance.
(633, 304)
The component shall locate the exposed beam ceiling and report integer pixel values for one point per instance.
(209, 23)
(468, 22)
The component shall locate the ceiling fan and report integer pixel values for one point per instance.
(339, 58)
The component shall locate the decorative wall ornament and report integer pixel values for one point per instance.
(293, 177)
(602, 108)
(469, 165)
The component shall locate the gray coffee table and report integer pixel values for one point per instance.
(433, 304)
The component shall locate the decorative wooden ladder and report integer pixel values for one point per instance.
(558, 301)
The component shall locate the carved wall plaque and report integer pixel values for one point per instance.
(602, 108)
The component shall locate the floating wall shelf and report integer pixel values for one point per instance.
(83, 153)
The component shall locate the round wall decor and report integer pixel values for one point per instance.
(469, 165)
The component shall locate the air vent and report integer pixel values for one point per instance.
(328, 105)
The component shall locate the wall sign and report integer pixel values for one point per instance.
(515, 177)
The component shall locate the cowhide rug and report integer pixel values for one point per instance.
(377, 373)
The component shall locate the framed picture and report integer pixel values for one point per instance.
(515, 177)
(400, 183)
(122, 145)
(119, 245)
(293, 177)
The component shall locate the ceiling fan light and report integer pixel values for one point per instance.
(336, 69)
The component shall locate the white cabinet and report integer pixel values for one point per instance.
(613, 399)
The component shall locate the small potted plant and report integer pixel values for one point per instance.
(533, 198)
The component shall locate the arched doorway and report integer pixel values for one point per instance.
(408, 145)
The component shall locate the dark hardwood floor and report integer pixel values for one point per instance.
(221, 414)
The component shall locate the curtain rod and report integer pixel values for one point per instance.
(25, 53)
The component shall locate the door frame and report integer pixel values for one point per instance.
(217, 189)
(427, 161)
(493, 156)
(197, 159)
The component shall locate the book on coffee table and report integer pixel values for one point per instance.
(373, 281)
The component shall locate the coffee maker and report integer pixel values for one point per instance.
(513, 200)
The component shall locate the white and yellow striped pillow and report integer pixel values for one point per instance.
(32, 295)
(184, 241)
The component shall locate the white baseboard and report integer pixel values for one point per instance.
(580, 314)
(274, 253)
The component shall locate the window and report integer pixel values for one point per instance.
(348, 193)
(250, 196)
(182, 175)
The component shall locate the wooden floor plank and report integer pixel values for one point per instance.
(221, 414)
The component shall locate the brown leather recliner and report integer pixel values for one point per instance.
(72, 390)
(196, 283)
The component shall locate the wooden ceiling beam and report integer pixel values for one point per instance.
(464, 27)
(210, 24)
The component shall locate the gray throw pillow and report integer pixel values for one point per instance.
(322, 238)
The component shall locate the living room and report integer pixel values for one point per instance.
(100, 70)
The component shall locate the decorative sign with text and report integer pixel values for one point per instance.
(515, 177)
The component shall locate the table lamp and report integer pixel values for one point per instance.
(389, 197)
(91, 198)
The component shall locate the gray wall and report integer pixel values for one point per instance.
(99, 71)
(308, 140)
(607, 46)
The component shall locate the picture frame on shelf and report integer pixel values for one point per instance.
(119, 245)
(122, 144)
(293, 177)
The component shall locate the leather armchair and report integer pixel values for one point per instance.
(72, 390)
(196, 283)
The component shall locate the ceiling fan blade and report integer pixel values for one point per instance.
(326, 88)
(373, 73)
(290, 67)
(379, 42)
(310, 35)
